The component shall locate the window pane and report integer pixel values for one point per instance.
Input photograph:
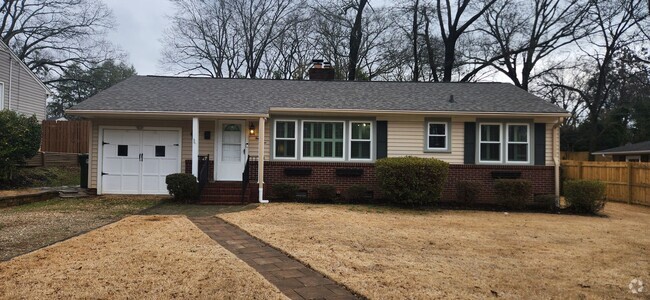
(338, 151)
(438, 129)
(122, 150)
(360, 150)
(329, 149)
(317, 149)
(291, 130)
(490, 133)
(306, 149)
(306, 130)
(490, 152)
(437, 142)
(518, 133)
(338, 128)
(361, 131)
(285, 148)
(280, 129)
(329, 130)
(517, 152)
(318, 130)
(160, 151)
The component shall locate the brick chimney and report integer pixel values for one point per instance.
(321, 70)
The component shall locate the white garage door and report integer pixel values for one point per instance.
(137, 161)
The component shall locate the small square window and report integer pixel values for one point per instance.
(122, 150)
(160, 151)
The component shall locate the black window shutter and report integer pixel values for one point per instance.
(382, 139)
(470, 143)
(540, 144)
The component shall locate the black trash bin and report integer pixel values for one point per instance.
(83, 164)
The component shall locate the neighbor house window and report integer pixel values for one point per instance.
(437, 136)
(490, 143)
(285, 139)
(518, 143)
(322, 139)
(360, 140)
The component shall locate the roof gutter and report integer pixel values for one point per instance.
(414, 112)
(107, 113)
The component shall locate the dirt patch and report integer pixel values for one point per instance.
(135, 258)
(28, 227)
(385, 253)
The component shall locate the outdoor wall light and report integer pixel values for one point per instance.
(251, 129)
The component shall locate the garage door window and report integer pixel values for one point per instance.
(160, 151)
(122, 150)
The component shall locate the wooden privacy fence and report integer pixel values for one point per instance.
(53, 159)
(65, 136)
(626, 182)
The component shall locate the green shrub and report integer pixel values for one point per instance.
(356, 194)
(546, 201)
(182, 186)
(410, 180)
(20, 138)
(513, 193)
(284, 191)
(585, 196)
(324, 193)
(468, 191)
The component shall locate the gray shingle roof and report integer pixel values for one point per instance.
(635, 148)
(176, 94)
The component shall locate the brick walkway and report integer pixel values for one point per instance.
(293, 278)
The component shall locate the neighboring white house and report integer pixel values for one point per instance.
(20, 89)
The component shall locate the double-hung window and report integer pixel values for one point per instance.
(437, 136)
(322, 139)
(360, 140)
(285, 139)
(490, 143)
(518, 143)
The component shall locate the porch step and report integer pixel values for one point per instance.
(225, 192)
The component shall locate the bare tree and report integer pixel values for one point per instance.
(454, 23)
(356, 34)
(525, 33)
(220, 38)
(50, 35)
(616, 28)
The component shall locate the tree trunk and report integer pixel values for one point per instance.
(416, 69)
(355, 42)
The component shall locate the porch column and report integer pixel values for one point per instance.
(195, 147)
(260, 161)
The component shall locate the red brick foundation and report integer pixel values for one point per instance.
(325, 173)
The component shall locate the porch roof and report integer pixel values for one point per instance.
(157, 94)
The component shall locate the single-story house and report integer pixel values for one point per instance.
(20, 90)
(233, 132)
(639, 152)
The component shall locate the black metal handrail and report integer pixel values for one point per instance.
(204, 164)
(245, 179)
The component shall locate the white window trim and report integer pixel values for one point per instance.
(636, 158)
(2, 95)
(302, 140)
(508, 142)
(371, 140)
(295, 139)
(500, 143)
(446, 135)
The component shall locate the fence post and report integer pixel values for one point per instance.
(629, 183)
(580, 170)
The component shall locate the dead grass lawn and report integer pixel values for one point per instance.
(388, 253)
(139, 257)
(28, 227)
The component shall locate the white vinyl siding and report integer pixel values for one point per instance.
(2, 95)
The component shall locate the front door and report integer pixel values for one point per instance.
(231, 150)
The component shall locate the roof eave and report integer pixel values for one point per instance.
(117, 113)
(415, 112)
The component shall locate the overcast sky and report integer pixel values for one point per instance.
(140, 24)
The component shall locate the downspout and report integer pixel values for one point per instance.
(556, 159)
(260, 161)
